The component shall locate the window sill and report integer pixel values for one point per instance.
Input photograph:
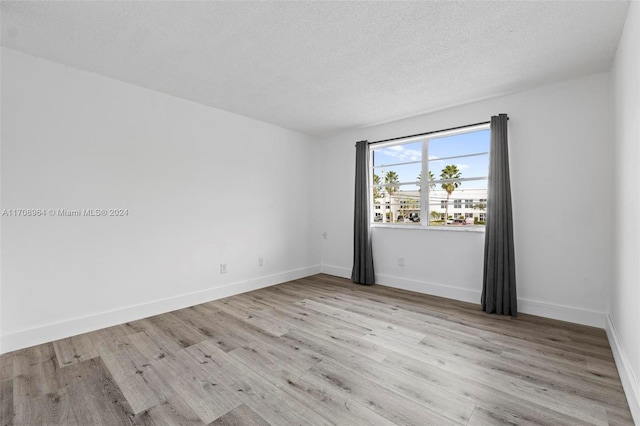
(465, 228)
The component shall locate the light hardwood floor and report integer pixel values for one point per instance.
(318, 351)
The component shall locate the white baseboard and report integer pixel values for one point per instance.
(526, 306)
(336, 271)
(424, 287)
(562, 312)
(60, 330)
(629, 382)
(434, 289)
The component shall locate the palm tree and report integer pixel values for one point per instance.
(389, 178)
(480, 206)
(410, 206)
(376, 189)
(431, 187)
(449, 172)
(431, 177)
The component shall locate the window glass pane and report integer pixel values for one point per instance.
(398, 154)
(397, 174)
(464, 167)
(464, 144)
(460, 188)
(462, 206)
(402, 207)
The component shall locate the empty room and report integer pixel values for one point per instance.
(320, 213)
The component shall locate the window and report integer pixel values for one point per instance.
(455, 164)
(482, 217)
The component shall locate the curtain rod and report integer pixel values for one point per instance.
(432, 132)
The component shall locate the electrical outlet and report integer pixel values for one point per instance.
(400, 261)
(260, 261)
(223, 268)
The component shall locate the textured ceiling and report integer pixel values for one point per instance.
(323, 67)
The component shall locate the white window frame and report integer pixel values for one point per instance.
(425, 183)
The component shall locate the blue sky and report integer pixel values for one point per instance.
(467, 143)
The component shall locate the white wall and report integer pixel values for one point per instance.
(1, 205)
(624, 328)
(202, 187)
(561, 165)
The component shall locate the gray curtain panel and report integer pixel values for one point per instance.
(499, 281)
(362, 272)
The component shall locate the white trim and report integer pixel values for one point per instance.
(434, 289)
(336, 271)
(562, 312)
(431, 182)
(457, 156)
(71, 327)
(395, 164)
(467, 129)
(432, 135)
(438, 228)
(629, 382)
(389, 185)
(441, 290)
(437, 181)
(402, 141)
(526, 306)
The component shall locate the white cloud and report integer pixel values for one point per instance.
(403, 154)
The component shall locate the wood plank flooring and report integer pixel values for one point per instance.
(319, 351)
